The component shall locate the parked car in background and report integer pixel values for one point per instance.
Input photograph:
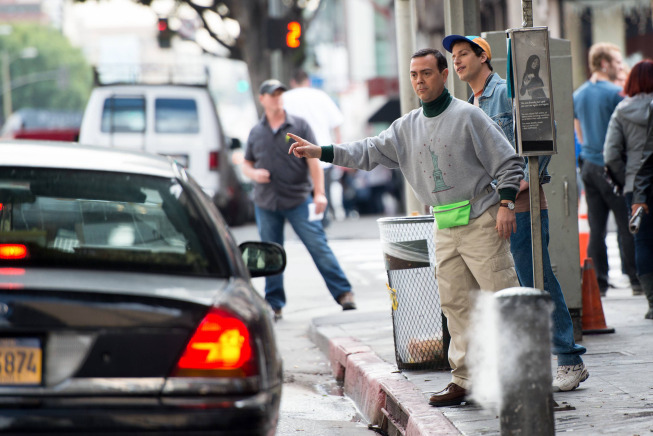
(126, 306)
(44, 124)
(175, 120)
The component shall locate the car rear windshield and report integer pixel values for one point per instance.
(91, 219)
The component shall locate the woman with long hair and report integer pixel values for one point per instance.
(628, 131)
(531, 81)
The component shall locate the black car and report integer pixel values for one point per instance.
(126, 307)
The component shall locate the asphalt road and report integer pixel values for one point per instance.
(312, 401)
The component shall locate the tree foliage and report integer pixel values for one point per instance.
(57, 78)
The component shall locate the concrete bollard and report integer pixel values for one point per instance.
(524, 347)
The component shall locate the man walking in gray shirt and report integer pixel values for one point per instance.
(469, 150)
(282, 189)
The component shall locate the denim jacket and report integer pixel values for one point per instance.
(497, 105)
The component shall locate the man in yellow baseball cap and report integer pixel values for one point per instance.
(471, 61)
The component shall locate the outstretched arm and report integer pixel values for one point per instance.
(303, 148)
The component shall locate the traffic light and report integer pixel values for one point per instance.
(294, 33)
(284, 34)
(165, 34)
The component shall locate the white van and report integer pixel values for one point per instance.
(175, 120)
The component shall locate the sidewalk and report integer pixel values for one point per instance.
(617, 399)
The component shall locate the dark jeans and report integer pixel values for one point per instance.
(643, 239)
(562, 330)
(600, 201)
(271, 228)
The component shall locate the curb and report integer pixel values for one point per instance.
(382, 394)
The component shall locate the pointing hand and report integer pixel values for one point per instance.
(303, 148)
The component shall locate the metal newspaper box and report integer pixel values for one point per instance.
(531, 72)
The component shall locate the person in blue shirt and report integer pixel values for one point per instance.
(471, 59)
(594, 102)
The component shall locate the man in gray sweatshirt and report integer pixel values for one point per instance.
(448, 151)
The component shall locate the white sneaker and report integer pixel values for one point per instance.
(569, 377)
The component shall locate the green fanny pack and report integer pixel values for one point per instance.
(452, 215)
(457, 214)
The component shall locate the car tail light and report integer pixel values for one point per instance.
(220, 347)
(13, 251)
(214, 160)
(12, 271)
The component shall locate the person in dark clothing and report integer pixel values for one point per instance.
(594, 102)
(643, 197)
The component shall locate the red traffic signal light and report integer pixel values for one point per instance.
(165, 34)
(163, 24)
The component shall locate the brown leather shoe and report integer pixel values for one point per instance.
(452, 395)
(346, 300)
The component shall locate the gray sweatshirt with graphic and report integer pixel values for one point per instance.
(447, 158)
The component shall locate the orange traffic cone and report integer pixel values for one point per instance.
(593, 318)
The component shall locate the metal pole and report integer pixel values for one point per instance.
(534, 184)
(276, 57)
(524, 335)
(405, 21)
(461, 17)
(527, 13)
(6, 85)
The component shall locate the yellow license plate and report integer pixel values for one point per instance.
(20, 361)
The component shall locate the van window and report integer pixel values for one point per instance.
(124, 115)
(175, 115)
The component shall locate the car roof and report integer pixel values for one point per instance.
(74, 156)
(140, 87)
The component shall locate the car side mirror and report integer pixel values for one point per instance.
(263, 258)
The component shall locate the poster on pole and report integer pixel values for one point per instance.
(534, 124)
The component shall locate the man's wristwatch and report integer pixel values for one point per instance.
(510, 205)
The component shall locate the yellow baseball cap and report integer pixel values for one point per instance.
(449, 41)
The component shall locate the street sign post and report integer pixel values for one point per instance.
(534, 124)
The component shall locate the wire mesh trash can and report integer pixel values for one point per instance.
(419, 327)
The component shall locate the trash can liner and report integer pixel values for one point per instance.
(419, 328)
(406, 254)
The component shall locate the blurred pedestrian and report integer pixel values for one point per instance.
(324, 117)
(282, 188)
(629, 135)
(594, 102)
(472, 57)
(442, 150)
(620, 80)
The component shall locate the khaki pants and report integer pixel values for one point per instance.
(469, 258)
